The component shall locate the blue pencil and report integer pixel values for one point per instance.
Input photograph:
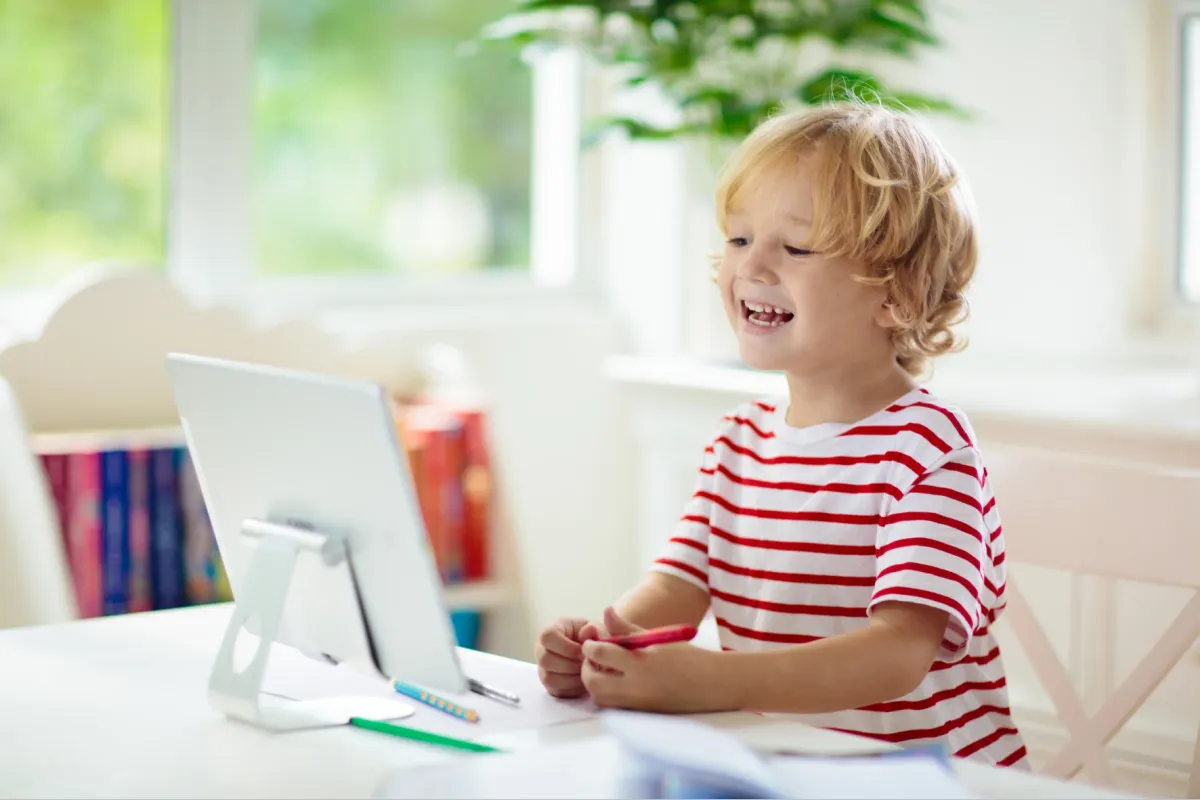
(440, 703)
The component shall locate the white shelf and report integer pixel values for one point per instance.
(682, 373)
(97, 441)
(479, 595)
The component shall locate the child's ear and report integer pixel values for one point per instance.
(885, 314)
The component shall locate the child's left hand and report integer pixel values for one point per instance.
(674, 678)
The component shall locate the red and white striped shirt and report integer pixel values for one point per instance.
(795, 533)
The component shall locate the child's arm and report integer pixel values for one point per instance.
(662, 599)
(885, 660)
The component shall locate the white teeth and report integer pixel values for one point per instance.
(760, 307)
(761, 324)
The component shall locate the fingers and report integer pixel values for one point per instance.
(601, 685)
(616, 625)
(560, 639)
(591, 631)
(608, 656)
(609, 689)
(564, 686)
(559, 665)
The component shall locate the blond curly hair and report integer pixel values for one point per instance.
(887, 195)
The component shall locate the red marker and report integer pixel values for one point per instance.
(667, 635)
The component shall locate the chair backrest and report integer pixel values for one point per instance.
(1108, 518)
(35, 586)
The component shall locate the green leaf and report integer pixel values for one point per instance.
(702, 40)
(634, 128)
(838, 84)
(906, 32)
(926, 104)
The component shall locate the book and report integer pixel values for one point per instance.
(166, 529)
(222, 591)
(449, 483)
(197, 536)
(58, 480)
(477, 496)
(84, 532)
(434, 438)
(114, 466)
(416, 447)
(140, 594)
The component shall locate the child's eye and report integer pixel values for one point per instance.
(797, 251)
(737, 241)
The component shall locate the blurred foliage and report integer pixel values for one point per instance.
(356, 103)
(367, 109)
(729, 64)
(83, 110)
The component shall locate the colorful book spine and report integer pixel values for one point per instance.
(85, 531)
(448, 456)
(141, 597)
(58, 480)
(416, 446)
(477, 497)
(115, 498)
(451, 487)
(197, 536)
(222, 591)
(166, 529)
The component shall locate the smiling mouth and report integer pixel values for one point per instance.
(765, 316)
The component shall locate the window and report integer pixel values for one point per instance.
(83, 114)
(366, 148)
(383, 143)
(1189, 173)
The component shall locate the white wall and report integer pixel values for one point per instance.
(1069, 98)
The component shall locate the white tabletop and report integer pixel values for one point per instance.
(117, 707)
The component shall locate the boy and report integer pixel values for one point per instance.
(846, 541)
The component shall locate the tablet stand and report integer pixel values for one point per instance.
(236, 691)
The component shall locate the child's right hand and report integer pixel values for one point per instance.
(560, 656)
(559, 650)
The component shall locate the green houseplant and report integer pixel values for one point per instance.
(728, 64)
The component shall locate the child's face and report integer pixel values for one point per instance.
(823, 319)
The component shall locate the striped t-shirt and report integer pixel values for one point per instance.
(796, 532)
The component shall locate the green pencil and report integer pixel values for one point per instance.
(421, 736)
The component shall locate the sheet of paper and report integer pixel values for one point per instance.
(297, 677)
(710, 762)
(869, 778)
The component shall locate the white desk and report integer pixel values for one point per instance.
(117, 707)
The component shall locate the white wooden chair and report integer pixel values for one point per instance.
(1107, 518)
(35, 586)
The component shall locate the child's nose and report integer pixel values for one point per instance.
(756, 267)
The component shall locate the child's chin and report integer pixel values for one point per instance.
(755, 358)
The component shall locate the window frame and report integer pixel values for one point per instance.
(210, 239)
(1184, 11)
(209, 246)
(1164, 322)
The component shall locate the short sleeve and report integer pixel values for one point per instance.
(686, 553)
(933, 548)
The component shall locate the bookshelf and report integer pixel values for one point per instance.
(94, 381)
